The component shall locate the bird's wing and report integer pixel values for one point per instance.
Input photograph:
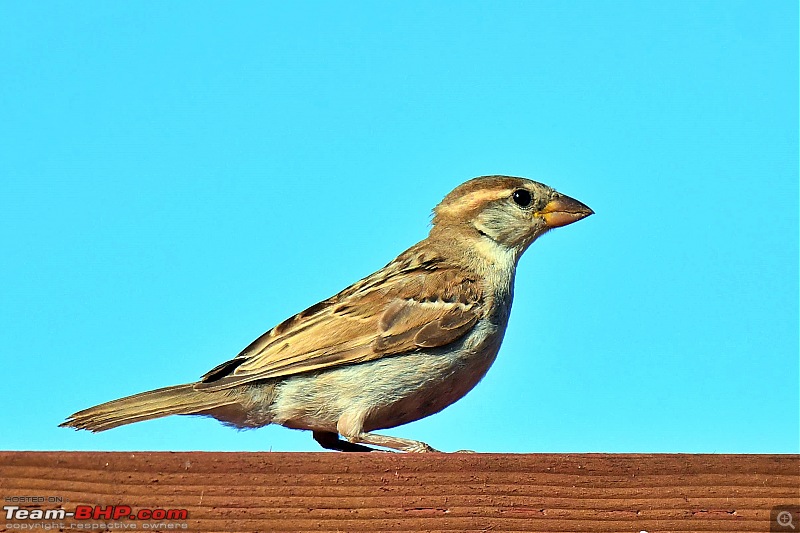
(414, 302)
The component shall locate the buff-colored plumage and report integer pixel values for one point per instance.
(417, 301)
(399, 345)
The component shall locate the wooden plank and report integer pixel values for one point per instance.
(405, 492)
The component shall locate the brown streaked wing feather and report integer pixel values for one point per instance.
(413, 303)
(409, 324)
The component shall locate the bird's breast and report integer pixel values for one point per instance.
(424, 383)
(393, 390)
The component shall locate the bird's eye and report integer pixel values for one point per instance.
(522, 197)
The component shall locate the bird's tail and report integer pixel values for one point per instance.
(175, 400)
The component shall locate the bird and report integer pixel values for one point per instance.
(399, 345)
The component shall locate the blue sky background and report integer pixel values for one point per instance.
(176, 178)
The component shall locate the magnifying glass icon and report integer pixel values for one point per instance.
(784, 519)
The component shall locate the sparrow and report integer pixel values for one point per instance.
(397, 346)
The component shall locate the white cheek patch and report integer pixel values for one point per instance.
(496, 253)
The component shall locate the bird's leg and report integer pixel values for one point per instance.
(351, 426)
(331, 441)
(395, 443)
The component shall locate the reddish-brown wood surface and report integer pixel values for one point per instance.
(428, 492)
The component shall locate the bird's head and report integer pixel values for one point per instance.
(510, 212)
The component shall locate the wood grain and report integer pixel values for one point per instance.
(427, 492)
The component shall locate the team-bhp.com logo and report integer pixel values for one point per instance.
(94, 517)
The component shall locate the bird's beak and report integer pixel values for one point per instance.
(564, 210)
